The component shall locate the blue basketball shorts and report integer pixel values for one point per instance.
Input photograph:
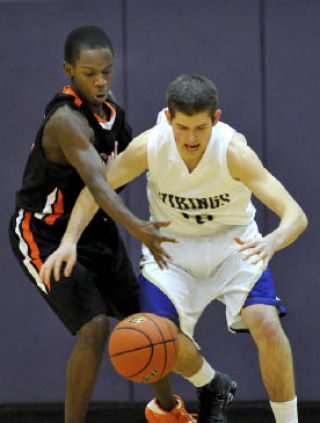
(154, 300)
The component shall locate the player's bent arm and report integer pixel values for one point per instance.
(131, 163)
(126, 166)
(245, 166)
(73, 135)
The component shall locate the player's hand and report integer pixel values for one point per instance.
(149, 233)
(65, 253)
(262, 248)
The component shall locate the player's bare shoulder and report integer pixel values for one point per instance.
(130, 163)
(65, 128)
(241, 159)
(136, 152)
(140, 142)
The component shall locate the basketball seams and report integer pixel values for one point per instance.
(157, 334)
(154, 344)
(174, 344)
(141, 348)
(163, 340)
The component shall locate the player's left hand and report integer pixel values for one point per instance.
(262, 248)
(148, 232)
(65, 253)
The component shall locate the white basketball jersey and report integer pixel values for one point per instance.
(202, 202)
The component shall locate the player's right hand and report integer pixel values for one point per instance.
(149, 233)
(65, 253)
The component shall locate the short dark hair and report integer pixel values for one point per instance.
(190, 94)
(87, 36)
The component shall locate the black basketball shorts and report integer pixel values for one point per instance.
(102, 281)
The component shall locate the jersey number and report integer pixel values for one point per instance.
(199, 218)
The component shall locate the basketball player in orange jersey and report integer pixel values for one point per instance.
(79, 130)
(201, 175)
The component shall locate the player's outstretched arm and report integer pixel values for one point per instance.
(125, 167)
(245, 166)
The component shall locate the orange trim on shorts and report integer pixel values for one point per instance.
(58, 210)
(28, 237)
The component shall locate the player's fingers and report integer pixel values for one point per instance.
(161, 224)
(158, 238)
(161, 257)
(69, 266)
(164, 254)
(246, 245)
(57, 268)
(161, 252)
(41, 273)
(47, 283)
(265, 264)
(238, 240)
(45, 273)
(265, 260)
(165, 238)
(158, 260)
(252, 252)
(162, 263)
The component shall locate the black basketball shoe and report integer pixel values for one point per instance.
(214, 399)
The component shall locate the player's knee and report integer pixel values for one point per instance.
(268, 332)
(94, 333)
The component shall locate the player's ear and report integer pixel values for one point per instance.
(168, 116)
(216, 117)
(68, 70)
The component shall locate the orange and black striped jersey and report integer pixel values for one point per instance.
(49, 190)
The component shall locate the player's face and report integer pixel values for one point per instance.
(192, 133)
(91, 74)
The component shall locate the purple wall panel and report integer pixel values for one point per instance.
(34, 354)
(293, 104)
(157, 41)
(221, 41)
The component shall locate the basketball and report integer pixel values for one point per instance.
(144, 347)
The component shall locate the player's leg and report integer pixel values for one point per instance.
(79, 301)
(214, 389)
(275, 360)
(105, 285)
(166, 407)
(260, 313)
(76, 301)
(83, 366)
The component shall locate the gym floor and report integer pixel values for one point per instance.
(239, 412)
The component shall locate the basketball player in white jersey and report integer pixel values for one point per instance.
(201, 174)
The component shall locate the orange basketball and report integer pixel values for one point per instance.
(144, 347)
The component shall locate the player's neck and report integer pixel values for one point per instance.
(99, 111)
(96, 109)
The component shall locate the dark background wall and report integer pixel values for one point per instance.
(264, 58)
